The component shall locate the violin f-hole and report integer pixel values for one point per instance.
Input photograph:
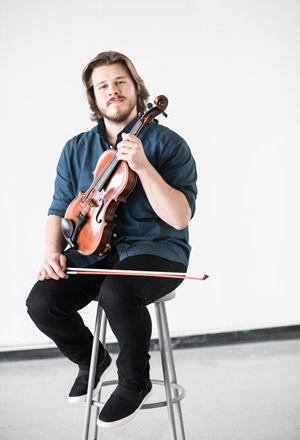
(99, 219)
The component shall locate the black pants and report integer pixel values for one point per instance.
(53, 306)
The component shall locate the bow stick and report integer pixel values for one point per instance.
(137, 273)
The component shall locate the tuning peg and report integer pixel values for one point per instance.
(155, 121)
(149, 105)
(165, 114)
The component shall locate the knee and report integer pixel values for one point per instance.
(118, 295)
(110, 298)
(37, 302)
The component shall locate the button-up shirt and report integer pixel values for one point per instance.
(138, 228)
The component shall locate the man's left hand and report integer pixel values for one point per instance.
(131, 150)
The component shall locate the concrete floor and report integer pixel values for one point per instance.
(235, 392)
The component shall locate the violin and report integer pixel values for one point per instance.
(89, 219)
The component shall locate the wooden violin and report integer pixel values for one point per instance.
(89, 219)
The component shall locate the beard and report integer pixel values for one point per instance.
(121, 115)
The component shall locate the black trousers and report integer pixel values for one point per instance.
(53, 306)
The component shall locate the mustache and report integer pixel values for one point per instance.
(114, 98)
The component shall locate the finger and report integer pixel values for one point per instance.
(57, 268)
(51, 272)
(127, 136)
(63, 264)
(126, 155)
(130, 137)
(42, 275)
(123, 150)
(124, 146)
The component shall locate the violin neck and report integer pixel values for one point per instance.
(137, 127)
(107, 172)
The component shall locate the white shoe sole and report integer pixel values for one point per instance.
(127, 419)
(79, 399)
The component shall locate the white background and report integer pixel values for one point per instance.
(231, 72)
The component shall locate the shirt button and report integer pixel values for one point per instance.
(115, 235)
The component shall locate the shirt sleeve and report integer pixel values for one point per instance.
(178, 169)
(63, 188)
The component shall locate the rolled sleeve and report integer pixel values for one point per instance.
(179, 170)
(63, 188)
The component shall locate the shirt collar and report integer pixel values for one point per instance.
(102, 130)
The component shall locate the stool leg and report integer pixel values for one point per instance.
(92, 374)
(164, 360)
(97, 398)
(172, 366)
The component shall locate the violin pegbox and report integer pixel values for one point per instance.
(150, 115)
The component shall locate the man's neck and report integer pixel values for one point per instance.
(114, 128)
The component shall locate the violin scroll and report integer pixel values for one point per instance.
(162, 102)
(149, 116)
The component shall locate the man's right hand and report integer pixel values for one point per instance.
(53, 267)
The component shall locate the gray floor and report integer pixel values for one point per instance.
(236, 392)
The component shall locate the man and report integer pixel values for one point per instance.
(151, 234)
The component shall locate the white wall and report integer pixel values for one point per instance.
(231, 72)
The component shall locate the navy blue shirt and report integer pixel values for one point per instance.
(138, 229)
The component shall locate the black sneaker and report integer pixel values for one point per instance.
(78, 391)
(122, 406)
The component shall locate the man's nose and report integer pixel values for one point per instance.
(113, 90)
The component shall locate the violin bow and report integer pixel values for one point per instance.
(137, 273)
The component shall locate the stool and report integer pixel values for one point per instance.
(170, 381)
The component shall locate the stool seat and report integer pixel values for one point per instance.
(174, 392)
(167, 297)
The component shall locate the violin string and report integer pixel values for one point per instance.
(101, 179)
(106, 172)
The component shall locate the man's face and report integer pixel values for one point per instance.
(115, 93)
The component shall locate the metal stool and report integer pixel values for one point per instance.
(170, 382)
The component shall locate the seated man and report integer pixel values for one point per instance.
(151, 233)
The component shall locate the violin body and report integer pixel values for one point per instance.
(89, 219)
(100, 206)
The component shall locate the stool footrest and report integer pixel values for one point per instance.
(180, 391)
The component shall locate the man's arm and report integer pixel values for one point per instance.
(168, 203)
(55, 262)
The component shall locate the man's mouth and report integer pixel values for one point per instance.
(115, 100)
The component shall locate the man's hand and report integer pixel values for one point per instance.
(131, 150)
(53, 267)
(55, 262)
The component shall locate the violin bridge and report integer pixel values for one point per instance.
(89, 202)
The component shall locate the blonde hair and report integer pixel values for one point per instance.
(106, 59)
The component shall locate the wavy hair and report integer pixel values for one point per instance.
(106, 59)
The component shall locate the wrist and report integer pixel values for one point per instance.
(52, 251)
(145, 169)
